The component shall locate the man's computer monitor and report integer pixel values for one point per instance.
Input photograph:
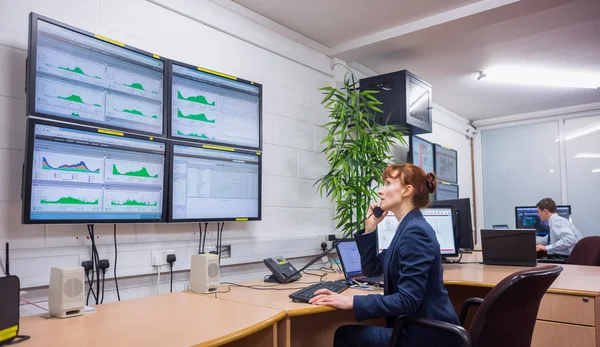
(526, 217)
(462, 215)
(441, 219)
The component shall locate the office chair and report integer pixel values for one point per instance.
(586, 252)
(506, 317)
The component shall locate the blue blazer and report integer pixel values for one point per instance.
(413, 274)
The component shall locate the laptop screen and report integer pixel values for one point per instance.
(348, 252)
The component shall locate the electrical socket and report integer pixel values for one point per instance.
(159, 257)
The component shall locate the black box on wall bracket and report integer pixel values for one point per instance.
(406, 101)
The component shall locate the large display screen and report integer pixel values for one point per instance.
(214, 185)
(84, 175)
(87, 79)
(215, 108)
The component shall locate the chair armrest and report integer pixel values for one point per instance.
(402, 321)
(466, 306)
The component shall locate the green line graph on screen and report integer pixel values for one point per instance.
(201, 117)
(69, 200)
(133, 202)
(142, 172)
(200, 99)
(76, 98)
(200, 136)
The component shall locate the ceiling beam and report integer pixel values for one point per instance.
(359, 48)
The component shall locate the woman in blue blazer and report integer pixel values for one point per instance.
(412, 268)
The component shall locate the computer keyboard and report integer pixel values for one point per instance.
(305, 294)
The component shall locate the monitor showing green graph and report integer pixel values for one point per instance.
(79, 175)
(211, 107)
(89, 79)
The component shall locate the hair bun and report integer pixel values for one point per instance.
(431, 182)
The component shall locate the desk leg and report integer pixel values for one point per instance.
(266, 337)
(317, 330)
(284, 332)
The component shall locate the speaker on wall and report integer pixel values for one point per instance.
(204, 273)
(65, 297)
(406, 101)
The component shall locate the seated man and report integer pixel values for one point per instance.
(563, 234)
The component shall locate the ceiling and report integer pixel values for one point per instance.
(332, 22)
(447, 49)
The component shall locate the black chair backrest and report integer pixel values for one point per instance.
(586, 252)
(508, 313)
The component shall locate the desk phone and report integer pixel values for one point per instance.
(282, 270)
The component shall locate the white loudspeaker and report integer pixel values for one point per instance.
(204, 274)
(65, 298)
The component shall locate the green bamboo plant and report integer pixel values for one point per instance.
(357, 150)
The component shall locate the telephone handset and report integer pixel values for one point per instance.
(282, 269)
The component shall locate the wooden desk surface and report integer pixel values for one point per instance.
(574, 280)
(279, 299)
(176, 319)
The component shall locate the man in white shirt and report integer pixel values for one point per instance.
(563, 234)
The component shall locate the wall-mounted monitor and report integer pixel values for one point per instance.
(81, 77)
(421, 153)
(446, 191)
(446, 164)
(212, 107)
(84, 175)
(209, 183)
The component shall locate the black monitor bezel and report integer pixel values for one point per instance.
(435, 166)
(219, 75)
(28, 171)
(31, 75)
(172, 144)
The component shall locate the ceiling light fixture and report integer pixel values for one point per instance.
(595, 170)
(541, 77)
(587, 155)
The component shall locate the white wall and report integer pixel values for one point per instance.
(295, 218)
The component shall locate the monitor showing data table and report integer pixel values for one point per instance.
(211, 184)
(75, 174)
(89, 79)
(212, 107)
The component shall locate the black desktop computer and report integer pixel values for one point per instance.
(464, 229)
(526, 217)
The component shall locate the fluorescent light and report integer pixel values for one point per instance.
(587, 155)
(541, 77)
(596, 170)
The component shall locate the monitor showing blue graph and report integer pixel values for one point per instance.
(89, 79)
(211, 107)
(209, 184)
(75, 174)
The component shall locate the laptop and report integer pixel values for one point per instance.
(350, 258)
(515, 247)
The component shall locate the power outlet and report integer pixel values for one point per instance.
(159, 257)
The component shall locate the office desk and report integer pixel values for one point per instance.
(305, 324)
(569, 313)
(176, 319)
